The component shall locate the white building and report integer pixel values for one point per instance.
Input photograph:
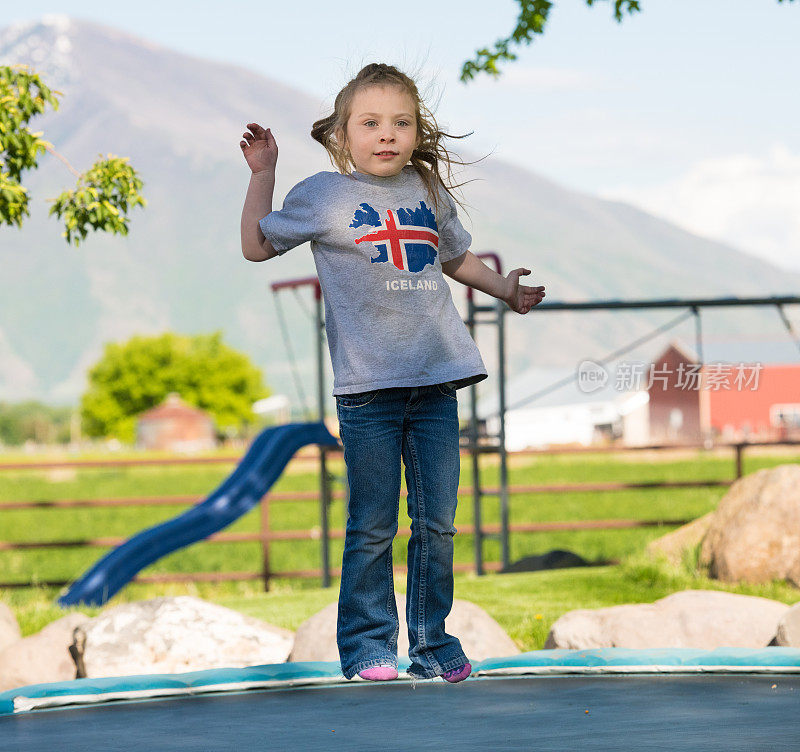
(277, 407)
(540, 414)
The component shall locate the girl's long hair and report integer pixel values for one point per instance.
(427, 158)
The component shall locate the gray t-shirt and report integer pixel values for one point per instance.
(378, 249)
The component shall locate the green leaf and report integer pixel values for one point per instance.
(102, 196)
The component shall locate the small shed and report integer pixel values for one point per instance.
(175, 426)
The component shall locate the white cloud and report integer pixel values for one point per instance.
(750, 202)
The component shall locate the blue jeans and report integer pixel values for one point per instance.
(377, 428)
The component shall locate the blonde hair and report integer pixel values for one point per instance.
(429, 155)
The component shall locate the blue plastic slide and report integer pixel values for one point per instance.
(239, 493)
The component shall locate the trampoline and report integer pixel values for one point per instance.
(611, 698)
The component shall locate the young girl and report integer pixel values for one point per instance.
(382, 236)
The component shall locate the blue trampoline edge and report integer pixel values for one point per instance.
(287, 675)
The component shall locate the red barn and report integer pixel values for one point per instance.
(726, 401)
(755, 402)
(175, 426)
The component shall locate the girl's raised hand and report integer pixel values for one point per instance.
(521, 298)
(259, 148)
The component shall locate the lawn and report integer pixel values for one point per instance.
(525, 604)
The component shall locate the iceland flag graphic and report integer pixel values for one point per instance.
(407, 238)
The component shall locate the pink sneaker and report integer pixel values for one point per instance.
(379, 673)
(457, 674)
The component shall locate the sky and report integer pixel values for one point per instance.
(688, 110)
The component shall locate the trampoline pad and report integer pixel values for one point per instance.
(597, 712)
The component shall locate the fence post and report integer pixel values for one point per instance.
(739, 449)
(265, 572)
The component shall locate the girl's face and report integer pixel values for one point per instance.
(381, 120)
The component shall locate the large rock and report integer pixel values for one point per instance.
(690, 619)
(9, 629)
(173, 635)
(42, 657)
(480, 635)
(754, 535)
(679, 542)
(788, 634)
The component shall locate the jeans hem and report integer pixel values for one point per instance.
(430, 673)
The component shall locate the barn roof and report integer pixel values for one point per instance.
(172, 407)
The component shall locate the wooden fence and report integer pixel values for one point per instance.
(265, 535)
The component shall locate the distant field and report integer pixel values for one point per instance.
(512, 599)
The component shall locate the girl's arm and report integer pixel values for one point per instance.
(257, 204)
(261, 152)
(469, 270)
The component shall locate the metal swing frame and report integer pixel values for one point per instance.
(476, 445)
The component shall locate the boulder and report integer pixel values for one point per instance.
(705, 619)
(480, 635)
(42, 657)
(754, 535)
(788, 633)
(675, 544)
(174, 635)
(9, 629)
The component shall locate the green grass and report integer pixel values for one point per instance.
(525, 604)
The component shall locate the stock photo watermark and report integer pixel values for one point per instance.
(635, 375)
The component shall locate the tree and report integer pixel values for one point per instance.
(103, 194)
(34, 421)
(134, 376)
(532, 20)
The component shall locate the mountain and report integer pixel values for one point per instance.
(180, 118)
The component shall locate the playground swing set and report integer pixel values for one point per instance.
(477, 443)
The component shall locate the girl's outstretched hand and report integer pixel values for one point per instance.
(521, 298)
(259, 148)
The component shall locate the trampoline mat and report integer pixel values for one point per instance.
(656, 712)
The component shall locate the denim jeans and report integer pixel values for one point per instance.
(377, 428)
